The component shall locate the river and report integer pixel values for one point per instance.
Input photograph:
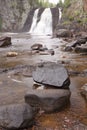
(14, 85)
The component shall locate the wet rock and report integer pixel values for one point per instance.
(47, 52)
(81, 49)
(33, 52)
(82, 40)
(51, 51)
(52, 74)
(63, 33)
(72, 45)
(48, 100)
(78, 42)
(5, 41)
(85, 72)
(16, 116)
(12, 54)
(84, 91)
(36, 46)
(43, 48)
(68, 48)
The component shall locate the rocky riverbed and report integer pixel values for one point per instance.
(16, 78)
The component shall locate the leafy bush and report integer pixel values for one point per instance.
(60, 4)
(67, 3)
(40, 3)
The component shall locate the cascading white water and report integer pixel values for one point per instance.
(34, 23)
(44, 26)
(60, 14)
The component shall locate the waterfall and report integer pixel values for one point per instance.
(60, 14)
(44, 26)
(34, 23)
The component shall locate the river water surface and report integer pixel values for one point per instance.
(14, 85)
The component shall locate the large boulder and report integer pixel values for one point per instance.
(76, 44)
(16, 116)
(48, 100)
(63, 33)
(81, 49)
(53, 75)
(5, 41)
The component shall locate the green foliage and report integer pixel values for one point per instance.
(66, 22)
(67, 3)
(60, 4)
(71, 18)
(82, 20)
(40, 3)
(43, 3)
(77, 13)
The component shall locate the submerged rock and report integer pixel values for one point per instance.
(12, 54)
(16, 116)
(47, 52)
(5, 41)
(48, 100)
(53, 75)
(84, 91)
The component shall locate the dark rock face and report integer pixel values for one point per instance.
(39, 14)
(81, 49)
(55, 17)
(49, 100)
(5, 41)
(16, 116)
(53, 75)
(28, 22)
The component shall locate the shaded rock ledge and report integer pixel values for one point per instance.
(48, 100)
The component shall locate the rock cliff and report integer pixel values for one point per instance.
(74, 16)
(13, 13)
(85, 5)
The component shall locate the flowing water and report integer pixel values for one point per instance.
(44, 26)
(14, 84)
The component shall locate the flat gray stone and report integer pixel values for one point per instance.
(49, 100)
(16, 116)
(52, 74)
